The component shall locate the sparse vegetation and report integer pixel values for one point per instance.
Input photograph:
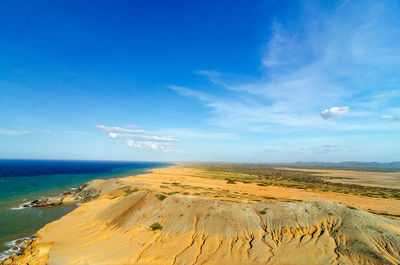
(396, 216)
(156, 226)
(230, 181)
(291, 200)
(129, 190)
(161, 197)
(269, 198)
(267, 175)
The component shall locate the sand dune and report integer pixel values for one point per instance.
(203, 231)
(170, 216)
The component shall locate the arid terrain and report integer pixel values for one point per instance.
(368, 178)
(225, 214)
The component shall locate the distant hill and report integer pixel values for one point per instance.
(354, 165)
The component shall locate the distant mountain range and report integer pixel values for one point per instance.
(357, 165)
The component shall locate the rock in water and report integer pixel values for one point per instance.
(51, 201)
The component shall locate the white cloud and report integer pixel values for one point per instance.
(164, 147)
(140, 139)
(116, 129)
(390, 117)
(112, 135)
(330, 63)
(11, 132)
(334, 112)
(191, 93)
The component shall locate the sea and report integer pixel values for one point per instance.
(26, 180)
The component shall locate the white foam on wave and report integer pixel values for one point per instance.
(25, 205)
(21, 207)
(18, 208)
(5, 254)
(14, 247)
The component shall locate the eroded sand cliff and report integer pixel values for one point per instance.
(204, 231)
(176, 215)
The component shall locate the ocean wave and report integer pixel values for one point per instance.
(15, 246)
(18, 208)
(21, 207)
(26, 204)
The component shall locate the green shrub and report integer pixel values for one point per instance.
(129, 191)
(156, 226)
(161, 197)
(269, 198)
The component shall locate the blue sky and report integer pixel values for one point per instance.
(258, 81)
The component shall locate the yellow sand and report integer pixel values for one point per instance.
(203, 229)
(183, 175)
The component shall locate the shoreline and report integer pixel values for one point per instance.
(173, 181)
(63, 199)
(16, 247)
(70, 197)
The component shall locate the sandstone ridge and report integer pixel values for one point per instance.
(203, 231)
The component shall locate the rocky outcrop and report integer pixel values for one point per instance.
(203, 231)
(29, 253)
(87, 192)
(51, 201)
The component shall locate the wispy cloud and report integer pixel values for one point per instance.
(390, 117)
(314, 149)
(331, 63)
(140, 139)
(11, 132)
(115, 129)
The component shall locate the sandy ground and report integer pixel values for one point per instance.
(163, 179)
(208, 221)
(378, 179)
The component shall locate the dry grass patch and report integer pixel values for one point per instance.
(129, 190)
(266, 175)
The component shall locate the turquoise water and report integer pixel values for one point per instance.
(26, 180)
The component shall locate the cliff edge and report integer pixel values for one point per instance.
(144, 228)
